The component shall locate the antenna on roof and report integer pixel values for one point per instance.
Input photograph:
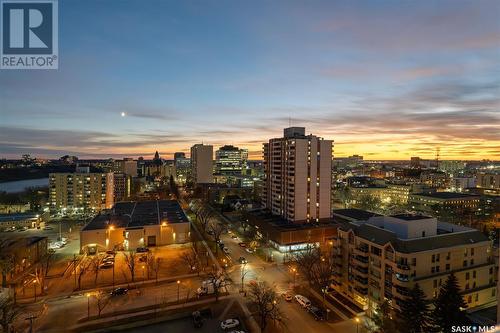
(289, 121)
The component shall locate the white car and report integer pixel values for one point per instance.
(249, 250)
(303, 301)
(229, 323)
(236, 332)
(226, 250)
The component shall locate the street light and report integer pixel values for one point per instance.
(294, 270)
(178, 290)
(88, 305)
(357, 324)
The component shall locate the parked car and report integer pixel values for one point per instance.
(242, 260)
(288, 297)
(142, 249)
(226, 250)
(249, 250)
(233, 236)
(242, 244)
(111, 252)
(303, 301)
(316, 312)
(229, 323)
(119, 291)
(197, 319)
(236, 332)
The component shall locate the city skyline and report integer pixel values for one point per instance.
(221, 73)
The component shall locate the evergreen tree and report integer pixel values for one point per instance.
(449, 306)
(414, 315)
(382, 319)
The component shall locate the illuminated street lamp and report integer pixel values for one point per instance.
(88, 305)
(357, 324)
(178, 290)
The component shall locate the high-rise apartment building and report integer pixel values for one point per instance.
(230, 160)
(382, 257)
(182, 167)
(81, 190)
(298, 175)
(202, 164)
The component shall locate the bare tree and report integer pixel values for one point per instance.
(155, 267)
(217, 282)
(83, 268)
(131, 261)
(47, 259)
(306, 260)
(102, 300)
(9, 311)
(266, 300)
(191, 259)
(217, 229)
(7, 262)
(94, 267)
(150, 259)
(204, 214)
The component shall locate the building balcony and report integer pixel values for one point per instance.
(363, 261)
(362, 291)
(363, 271)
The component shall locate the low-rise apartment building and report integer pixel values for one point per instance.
(382, 257)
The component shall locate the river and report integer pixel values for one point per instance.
(20, 185)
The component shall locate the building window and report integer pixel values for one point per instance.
(423, 233)
(467, 275)
(437, 257)
(414, 261)
(493, 292)
(447, 267)
(465, 263)
(466, 286)
(474, 274)
(472, 251)
(433, 269)
(469, 299)
(433, 258)
(435, 283)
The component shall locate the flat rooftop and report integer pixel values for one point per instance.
(138, 214)
(410, 217)
(18, 217)
(355, 214)
(448, 195)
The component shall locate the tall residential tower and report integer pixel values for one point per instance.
(298, 174)
(202, 164)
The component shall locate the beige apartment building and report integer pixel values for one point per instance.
(298, 171)
(80, 191)
(130, 225)
(382, 257)
(127, 166)
(202, 164)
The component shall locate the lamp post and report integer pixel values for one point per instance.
(143, 276)
(178, 290)
(357, 324)
(294, 270)
(88, 305)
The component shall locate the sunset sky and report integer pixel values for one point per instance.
(383, 79)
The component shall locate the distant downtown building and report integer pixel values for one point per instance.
(428, 202)
(230, 160)
(81, 191)
(182, 167)
(202, 164)
(382, 257)
(127, 166)
(298, 176)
